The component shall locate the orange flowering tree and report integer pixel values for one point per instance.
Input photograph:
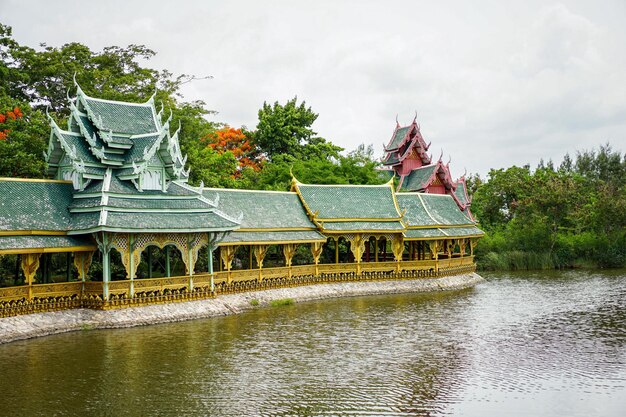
(23, 135)
(237, 142)
(14, 114)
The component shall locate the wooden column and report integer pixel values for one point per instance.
(68, 266)
(337, 250)
(259, 255)
(82, 261)
(375, 249)
(30, 265)
(209, 251)
(397, 247)
(289, 251)
(167, 261)
(149, 260)
(316, 251)
(104, 244)
(227, 253)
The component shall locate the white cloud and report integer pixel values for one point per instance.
(494, 83)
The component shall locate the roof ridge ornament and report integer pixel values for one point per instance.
(415, 118)
(397, 123)
(98, 152)
(70, 99)
(160, 113)
(151, 99)
(106, 137)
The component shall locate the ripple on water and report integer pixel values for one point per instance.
(531, 344)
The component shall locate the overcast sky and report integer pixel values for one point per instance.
(494, 84)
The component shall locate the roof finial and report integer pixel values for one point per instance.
(415, 118)
(48, 114)
(151, 99)
(449, 160)
(397, 123)
(464, 172)
(441, 155)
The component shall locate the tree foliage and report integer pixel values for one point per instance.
(574, 214)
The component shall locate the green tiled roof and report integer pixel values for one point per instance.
(453, 232)
(95, 171)
(391, 159)
(34, 242)
(461, 193)
(88, 126)
(151, 222)
(119, 117)
(160, 203)
(431, 209)
(444, 209)
(418, 178)
(36, 205)
(126, 187)
(262, 209)
(93, 187)
(82, 148)
(85, 202)
(349, 201)
(168, 221)
(303, 236)
(368, 226)
(423, 233)
(139, 144)
(121, 140)
(399, 135)
(85, 221)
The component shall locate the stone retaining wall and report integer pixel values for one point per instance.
(42, 324)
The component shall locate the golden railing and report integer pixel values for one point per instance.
(56, 296)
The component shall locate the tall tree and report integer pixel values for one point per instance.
(287, 129)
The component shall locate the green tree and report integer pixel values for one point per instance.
(287, 130)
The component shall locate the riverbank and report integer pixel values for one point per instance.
(43, 324)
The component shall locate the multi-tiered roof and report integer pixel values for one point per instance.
(117, 168)
(407, 155)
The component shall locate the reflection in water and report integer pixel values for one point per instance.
(532, 344)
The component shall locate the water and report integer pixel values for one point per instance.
(527, 344)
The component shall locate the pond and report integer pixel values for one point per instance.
(540, 344)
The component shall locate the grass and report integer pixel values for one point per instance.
(282, 302)
(254, 302)
(516, 261)
(86, 327)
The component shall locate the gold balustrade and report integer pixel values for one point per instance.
(26, 299)
(13, 293)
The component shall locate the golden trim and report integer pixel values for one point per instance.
(276, 229)
(245, 191)
(378, 231)
(32, 232)
(270, 242)
(34, 180)
(441, 237)
(24, 251)
(364, 219)
(442, 226)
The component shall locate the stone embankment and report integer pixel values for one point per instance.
(42, 324)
